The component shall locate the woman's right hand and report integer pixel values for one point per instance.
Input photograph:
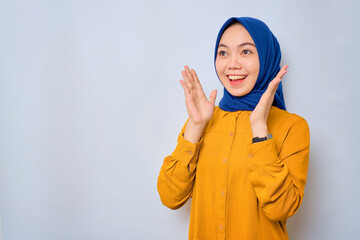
(199, 108)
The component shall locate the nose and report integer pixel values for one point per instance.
(234, 62)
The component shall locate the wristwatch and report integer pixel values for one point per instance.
(258, 139)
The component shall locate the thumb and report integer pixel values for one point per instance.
(212, 96)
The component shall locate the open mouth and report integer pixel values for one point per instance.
(236, 79)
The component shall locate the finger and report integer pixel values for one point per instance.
(273, 85)
(189, 75)
(188, 72)
(187, 81)
(198, 86)
(276, 81)
(264, 105)
(212, 96)
(282, 72)
(196, 79)
(272, 90)
(268, 96)
(185, 87)
(188, 78)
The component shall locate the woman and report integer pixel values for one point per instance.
(245, 162)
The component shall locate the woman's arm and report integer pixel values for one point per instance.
(177, 174)
(279, 179)
(258, 118)
(199, 108)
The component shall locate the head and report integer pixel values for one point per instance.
(247, 58)
(237, 61)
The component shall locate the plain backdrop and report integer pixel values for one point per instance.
(90, 104)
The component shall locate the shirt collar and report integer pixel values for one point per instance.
(225, 113)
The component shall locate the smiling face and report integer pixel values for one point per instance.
(237, 61)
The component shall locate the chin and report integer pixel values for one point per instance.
(236, 93)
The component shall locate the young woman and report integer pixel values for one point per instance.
(245, 162)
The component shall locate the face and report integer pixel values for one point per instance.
(237, 62)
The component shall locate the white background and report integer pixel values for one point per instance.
(90, 104)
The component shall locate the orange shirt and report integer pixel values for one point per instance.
(239, 190)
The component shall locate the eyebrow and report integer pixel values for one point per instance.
(240, 45)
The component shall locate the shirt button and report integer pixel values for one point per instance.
(231, 133)
(224, 160)
(221, 227)
(250, 155)
(222, 193)
(190, 152)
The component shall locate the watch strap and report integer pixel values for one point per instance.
(258, 139)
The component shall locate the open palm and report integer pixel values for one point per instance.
(199, 108)
(258, 118)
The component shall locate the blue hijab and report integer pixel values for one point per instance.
(269, 56)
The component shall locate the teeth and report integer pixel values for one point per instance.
(237, 77)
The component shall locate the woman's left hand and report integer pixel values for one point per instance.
(258, 118)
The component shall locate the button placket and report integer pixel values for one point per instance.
(224, 181)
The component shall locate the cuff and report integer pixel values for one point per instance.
(262, 153)
(185, 150)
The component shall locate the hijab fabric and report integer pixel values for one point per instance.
(269, 56)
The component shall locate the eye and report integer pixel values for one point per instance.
(246, 51)
(222, 53)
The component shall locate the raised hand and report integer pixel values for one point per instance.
(258, 118)
(199, 108)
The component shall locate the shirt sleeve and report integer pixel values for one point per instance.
(279, 179)
(177, 174)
